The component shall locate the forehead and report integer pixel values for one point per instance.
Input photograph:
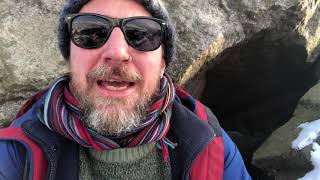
(115, 8)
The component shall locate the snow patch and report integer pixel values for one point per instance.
(309, 133)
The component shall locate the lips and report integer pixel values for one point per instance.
(115, 85)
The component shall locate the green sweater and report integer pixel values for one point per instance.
(139, 163)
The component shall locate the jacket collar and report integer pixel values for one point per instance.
(192, 136)
(61, 153)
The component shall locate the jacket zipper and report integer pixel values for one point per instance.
(46, 151)
(193, 159)
(51, 164)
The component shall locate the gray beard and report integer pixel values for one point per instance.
(115, 122)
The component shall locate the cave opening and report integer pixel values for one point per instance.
(254, 87)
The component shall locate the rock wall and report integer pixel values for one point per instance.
(28, 51)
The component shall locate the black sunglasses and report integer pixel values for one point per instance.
(89, 30)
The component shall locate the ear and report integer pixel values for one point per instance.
(163, 66)
(163, 61)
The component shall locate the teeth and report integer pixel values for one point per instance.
(115, 85)
(111, 80)
(113, 88)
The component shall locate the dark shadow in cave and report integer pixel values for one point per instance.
(254, 88)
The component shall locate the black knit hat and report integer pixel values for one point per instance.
(154, 7)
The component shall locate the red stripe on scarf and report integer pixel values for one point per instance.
(69, 97)
(54, 110)
(84, 134)
(156, 105)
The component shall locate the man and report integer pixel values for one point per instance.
(117, 115)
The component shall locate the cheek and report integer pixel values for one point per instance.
(78, 68)
(150, 70)
(81, 60)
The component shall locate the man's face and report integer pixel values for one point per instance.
(115, 83)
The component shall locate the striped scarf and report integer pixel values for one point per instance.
(62, 115)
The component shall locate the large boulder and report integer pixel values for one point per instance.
(276, 155)
(250, 61)
(28, 51)
(209, 28)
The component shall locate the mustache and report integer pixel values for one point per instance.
(105, 72)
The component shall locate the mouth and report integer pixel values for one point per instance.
(115, 84)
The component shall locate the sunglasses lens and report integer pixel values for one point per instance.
(143, 34)
(89, 31)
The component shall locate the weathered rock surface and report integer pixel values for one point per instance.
(28, 51)
(276, 156)
(206, 28)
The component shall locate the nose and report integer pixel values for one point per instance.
(115, 50)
